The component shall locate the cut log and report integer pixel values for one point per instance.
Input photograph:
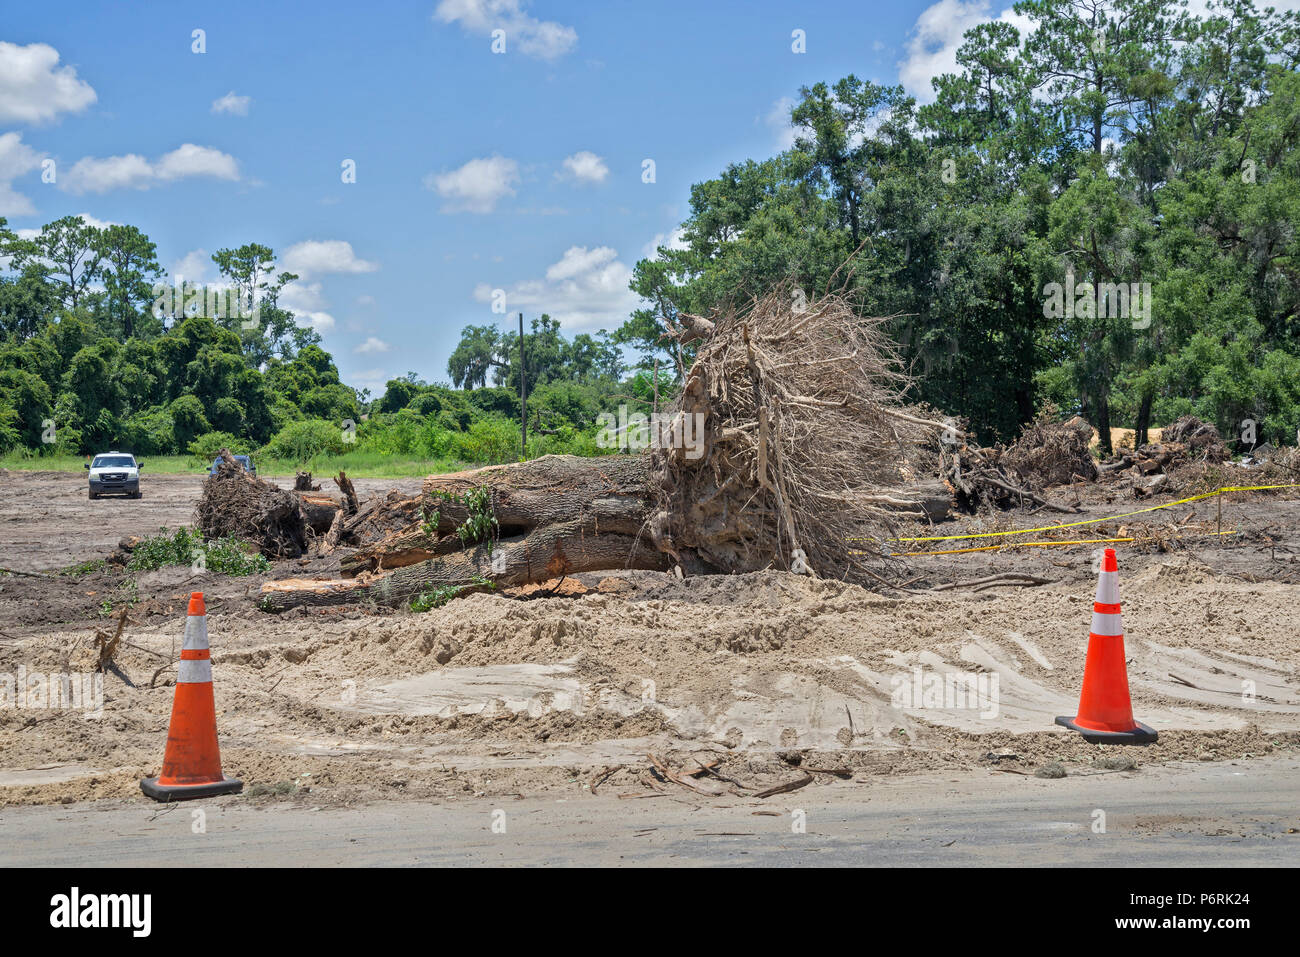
(308, 591)
(548, 552)
(318, 510)
(331, 539)
(611, 494)
(1143, 488)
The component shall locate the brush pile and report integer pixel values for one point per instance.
(1049, 452)
(981, 481)
(1201, 439)
(234, 503)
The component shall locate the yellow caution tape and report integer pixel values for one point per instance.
(1088, 521)
(993, 548)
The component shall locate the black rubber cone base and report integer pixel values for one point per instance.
(1139, 735)
(185, 792)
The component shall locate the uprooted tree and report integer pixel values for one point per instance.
(789, 446)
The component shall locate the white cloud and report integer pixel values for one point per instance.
(578, 260)
(586, 290)
(92, 174)
(322, 257)
(936, 36)
(314, 257)
(232, 104)
(322, 322)
(673, 240)
(544, 39)
(372, 346)
(303, 297)
(477, 186)
(34, 88)
(365, 300)
(778, 120)
(16, 159)
(190, 160)
(585, 166)
(195, 266)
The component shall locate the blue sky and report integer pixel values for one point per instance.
(519, 171)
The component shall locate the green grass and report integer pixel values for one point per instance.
(357, 464)
(361, 464)
(158, 464)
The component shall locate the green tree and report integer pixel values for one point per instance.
(129, 266)
(69, 247)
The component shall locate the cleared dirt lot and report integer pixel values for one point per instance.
(768, 674)
(47, 522)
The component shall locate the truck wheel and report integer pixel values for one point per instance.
(93, 496)
(138, 495)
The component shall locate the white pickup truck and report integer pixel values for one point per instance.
(115, 473)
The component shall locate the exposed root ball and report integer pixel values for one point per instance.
(1051, 453)
(235, 503)
(1201, 438)
(806, 440)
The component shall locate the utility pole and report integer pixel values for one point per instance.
(523, 389)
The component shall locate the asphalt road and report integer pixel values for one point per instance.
(1235, 814)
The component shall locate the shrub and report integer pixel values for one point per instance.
(224, 556)
(488, 442)
(150, 432)
(209, 444)
(437, 597)
(180, 548)
(495, 400)
(301, 441)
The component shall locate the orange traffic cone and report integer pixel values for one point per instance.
(1105, 712)
(192, 762)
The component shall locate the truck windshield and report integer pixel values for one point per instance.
(113, 462)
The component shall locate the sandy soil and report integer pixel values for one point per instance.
(767, 673)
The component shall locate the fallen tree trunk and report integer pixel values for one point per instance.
(556, 515)
(611, 493)
(789, 447)
(545, 553)
(929, 501)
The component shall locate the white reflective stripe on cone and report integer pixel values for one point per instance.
(194, 671)
(196, 633)
(1108, 588)
(1107, 624)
